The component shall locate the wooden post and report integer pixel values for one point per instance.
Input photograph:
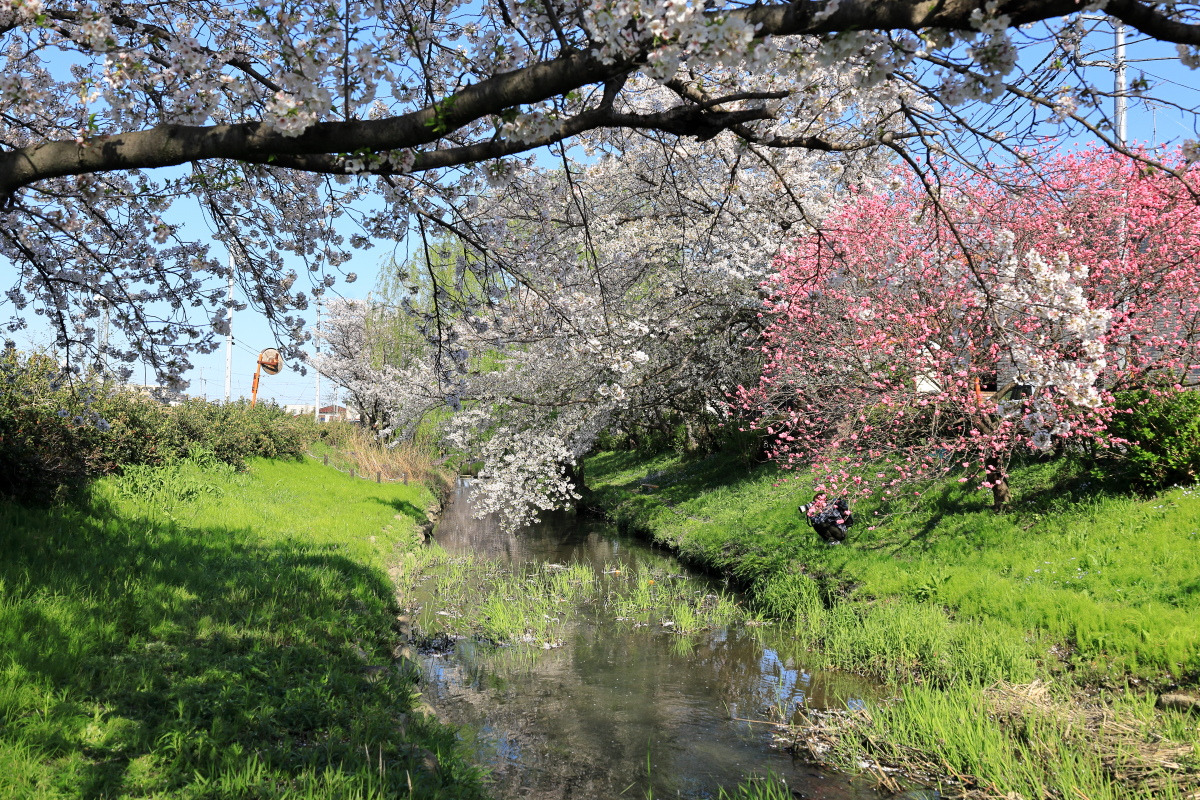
(352, 475)
(404, 477)
(378, 477)
(325, 459)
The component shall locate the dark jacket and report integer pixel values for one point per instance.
(831, 522)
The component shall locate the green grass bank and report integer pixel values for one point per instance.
(1087, 600)
(194, 632)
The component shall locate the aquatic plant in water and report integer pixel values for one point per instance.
(531, 604)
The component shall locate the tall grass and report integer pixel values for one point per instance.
(1030, 740)
(768, 788)
(534, 603)
(351, 447)
(220, 647)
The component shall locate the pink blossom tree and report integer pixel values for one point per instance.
(928, 328)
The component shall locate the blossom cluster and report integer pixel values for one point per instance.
(909, 339)
(1055, 294)
(525, 471)
(360, 349)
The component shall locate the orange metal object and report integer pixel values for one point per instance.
(269, 359)
(254, 387)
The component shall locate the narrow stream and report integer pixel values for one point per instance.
(620, 711)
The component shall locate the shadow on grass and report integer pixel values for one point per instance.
(142, 659)
(1043, 488)
(403, 507)
(946, 513)
(684, 480)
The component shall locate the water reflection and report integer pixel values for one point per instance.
(560, 537)
(618, 712)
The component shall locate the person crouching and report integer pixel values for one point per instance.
(829, 520)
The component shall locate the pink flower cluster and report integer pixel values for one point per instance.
(924, 332)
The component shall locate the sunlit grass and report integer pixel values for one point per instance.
(1108, 581)
(1028, 739)
(1078, 586)
(214, 647)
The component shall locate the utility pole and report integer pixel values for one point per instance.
(317, 346)
(1120, 101)
(102, 361)
(1120, 87)
(1120, 111)
(229, 334)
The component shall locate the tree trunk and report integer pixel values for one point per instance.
(574, 473)
(1000, 491)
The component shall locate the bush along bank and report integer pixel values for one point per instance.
(57, 432)
(194, 631)
(1026, 652)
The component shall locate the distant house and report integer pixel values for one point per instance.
(337, 413)
(331, 413)
(160, 394)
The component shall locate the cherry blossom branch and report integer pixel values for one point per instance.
(258, 142)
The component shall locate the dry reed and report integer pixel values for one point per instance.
(357, 449)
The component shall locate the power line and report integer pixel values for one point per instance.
(1168, 80)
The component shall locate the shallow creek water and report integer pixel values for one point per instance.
(620, 711)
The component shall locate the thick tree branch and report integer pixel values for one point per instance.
(169, 145)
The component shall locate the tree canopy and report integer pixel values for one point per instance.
(618, 175)
(307, 131)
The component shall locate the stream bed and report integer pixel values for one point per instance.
(616, 708)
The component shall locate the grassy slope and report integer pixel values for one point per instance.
(952, 604)
(1111, 583)
(213, 648)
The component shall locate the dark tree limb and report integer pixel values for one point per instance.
(317, 148)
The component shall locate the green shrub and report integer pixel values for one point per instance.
(44, 442)
(1163, 428)
(58, 431)
(237, 431)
